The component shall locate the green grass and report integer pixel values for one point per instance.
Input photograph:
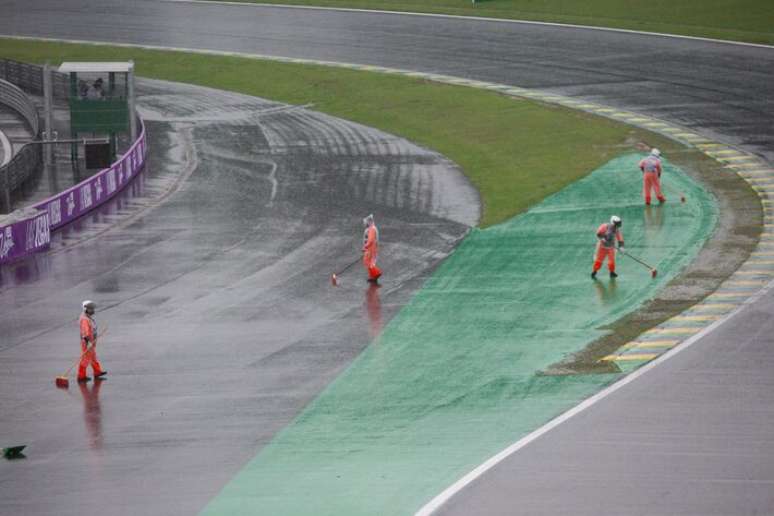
(740, 20)
(515, 152)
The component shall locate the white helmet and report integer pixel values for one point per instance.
(655, 152)
(89, 305)
(368, 220)
(615, 220)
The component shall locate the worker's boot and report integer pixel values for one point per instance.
(100, 375)
(613, 274)
(374, 273)
(593, 274)
(84, 379)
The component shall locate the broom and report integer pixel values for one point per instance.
(335, 277)
(653, 271)
(62, 381)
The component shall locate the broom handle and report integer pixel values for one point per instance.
(637, 260)
(347, 267)
(67, 373)
(88, 348)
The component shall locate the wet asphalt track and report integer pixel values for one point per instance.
(724, 90)
(721, 90)
(222, 321)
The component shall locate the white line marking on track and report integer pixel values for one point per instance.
(436, 503)
(475, 18)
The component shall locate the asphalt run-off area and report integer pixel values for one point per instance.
(487, 373)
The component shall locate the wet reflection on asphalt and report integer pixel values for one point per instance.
(213, 272)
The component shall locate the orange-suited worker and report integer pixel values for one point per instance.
(607, 236)
(651, 176)
(88, 343)
(371, 249)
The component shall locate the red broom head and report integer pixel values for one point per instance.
(334, 280)
(653, 273)
(62, 382)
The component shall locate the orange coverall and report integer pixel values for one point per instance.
(607, 235)
(370, 251)
(88, 331)
(651, 178)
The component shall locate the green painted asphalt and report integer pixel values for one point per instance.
(455, 376)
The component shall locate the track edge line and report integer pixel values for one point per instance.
(437, 502)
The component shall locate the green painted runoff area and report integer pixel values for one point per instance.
(741, 20)
(456, 376)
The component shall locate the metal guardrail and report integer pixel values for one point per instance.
(16, 99)
(28, 160)
(13, 175)
(29, 77)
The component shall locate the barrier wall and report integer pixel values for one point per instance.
(25, 237)
(80, 199)
(33, 234)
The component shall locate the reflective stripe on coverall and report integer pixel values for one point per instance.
(651, 178)
(607, 235)
(88, 331)
(370, 251)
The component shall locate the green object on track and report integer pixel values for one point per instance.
(13, 452)
(456, 375)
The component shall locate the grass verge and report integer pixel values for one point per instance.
(515, 152)
(751, 21)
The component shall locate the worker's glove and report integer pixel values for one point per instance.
(622, 250)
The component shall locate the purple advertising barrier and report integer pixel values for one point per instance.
(91, 193)
(20, 239)
(28, 236)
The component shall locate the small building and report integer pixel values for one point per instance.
(101, 100)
